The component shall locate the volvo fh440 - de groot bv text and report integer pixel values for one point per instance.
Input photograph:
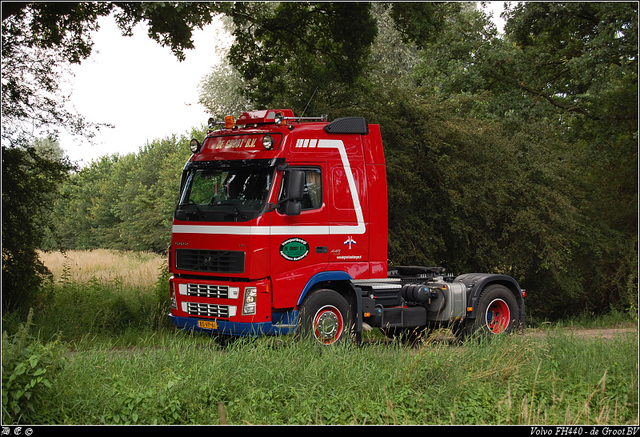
(281, 227)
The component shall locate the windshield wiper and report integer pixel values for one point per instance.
(191, 202)
(238, 212)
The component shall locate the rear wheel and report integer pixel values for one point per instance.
(497, 314)
(326, 316)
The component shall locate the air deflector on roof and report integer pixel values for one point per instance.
(348, 125)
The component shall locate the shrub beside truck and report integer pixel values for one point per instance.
(281, 227)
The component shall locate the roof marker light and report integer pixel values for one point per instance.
(228, 122)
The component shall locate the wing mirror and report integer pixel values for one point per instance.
(293, 191)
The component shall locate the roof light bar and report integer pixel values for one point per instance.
(323, 117)
(212, 123)
(276, 116)
(228, 123)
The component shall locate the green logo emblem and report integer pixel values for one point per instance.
(294, 249)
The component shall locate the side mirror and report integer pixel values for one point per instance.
(293, 192)
(295, 185)
(292, 207)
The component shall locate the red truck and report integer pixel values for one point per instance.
(281, 227)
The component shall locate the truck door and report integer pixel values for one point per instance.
(299, 244)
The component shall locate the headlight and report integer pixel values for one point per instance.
(250, 298)
(195, 145)
(267, 142)
(172, 295)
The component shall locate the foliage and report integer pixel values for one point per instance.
(190, 379)
(582, 57)
(124, 202)
(472, 196)
(29, 368)
(327, 66)
(328, 48)
(124, 367)
(512, 153)
(31, 177)
(220, 92)
(515, 154)
(565, 77)
(331, 42)
(68, 26)
(41, 39)
(39, 42)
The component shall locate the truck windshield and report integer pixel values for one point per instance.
(222, 191)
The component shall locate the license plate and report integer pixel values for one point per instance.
(208, 324)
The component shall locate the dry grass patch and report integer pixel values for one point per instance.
(132, 268)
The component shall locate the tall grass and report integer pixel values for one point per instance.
(132, 269)
(122, 366)
(186, 379)
(100, 293)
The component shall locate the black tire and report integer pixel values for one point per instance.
(326, 316)
(498, 313)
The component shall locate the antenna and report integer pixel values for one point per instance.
(305, 108)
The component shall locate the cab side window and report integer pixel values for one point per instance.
(312, 197)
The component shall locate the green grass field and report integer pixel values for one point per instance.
(100, 351)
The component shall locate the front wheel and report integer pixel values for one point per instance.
(498, 313)
(326, 316)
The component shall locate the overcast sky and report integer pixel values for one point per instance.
(142, 89)
(139, 87)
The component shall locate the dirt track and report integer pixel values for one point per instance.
(581, 333)
(586, 332)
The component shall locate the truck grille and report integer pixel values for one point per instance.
(205, 290)
(209, 310)
(216, 261)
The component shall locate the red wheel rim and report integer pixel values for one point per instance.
(327, 324)
(498, 316)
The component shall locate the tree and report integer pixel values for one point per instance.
(220, 92)
(579, 54)
(287, 52)
(148, 194)
(312, 57)
(124, 202)
(582, 58)
(30, 180)
(472, 194)
(566, 75)
(40, 41)
(480, 179)
(225, 90)
(502, 152)
(32, 68)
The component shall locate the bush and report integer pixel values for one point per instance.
(28, 370)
